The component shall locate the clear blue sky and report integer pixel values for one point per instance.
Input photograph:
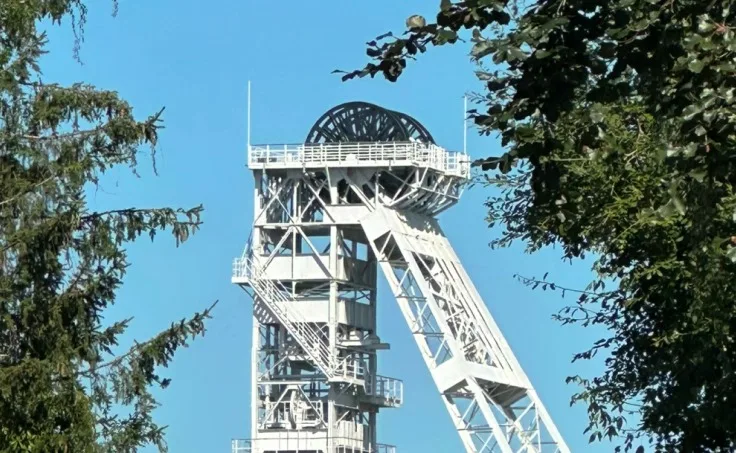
(195, 58)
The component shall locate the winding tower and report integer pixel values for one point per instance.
(361, 194)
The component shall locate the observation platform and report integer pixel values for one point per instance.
(359, 155)
(335, 444)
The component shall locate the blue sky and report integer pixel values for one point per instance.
(195, 58)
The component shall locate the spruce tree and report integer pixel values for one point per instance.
(61, 387)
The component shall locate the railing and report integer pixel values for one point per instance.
(385, 448)
(390, 389)
(336, 445)
(242, 446)
(240, 268)
(312, 340)
(303, 413)
(378, 448)
(415, 153)
(352, 367)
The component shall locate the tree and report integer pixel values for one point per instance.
(619, 126)
(61, 388)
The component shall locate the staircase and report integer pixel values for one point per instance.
(311, 339)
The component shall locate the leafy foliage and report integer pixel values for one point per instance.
(618, 121)
(61, 387)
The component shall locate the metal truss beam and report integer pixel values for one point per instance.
(489, 398)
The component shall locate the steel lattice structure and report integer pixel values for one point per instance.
(362, 194)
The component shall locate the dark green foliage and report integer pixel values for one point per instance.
(61, 387)
(619, 125)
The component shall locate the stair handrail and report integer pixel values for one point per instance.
(270, 293)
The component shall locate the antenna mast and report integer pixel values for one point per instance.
(465, 124)
(248, 116)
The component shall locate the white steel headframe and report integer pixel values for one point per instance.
(326, 218)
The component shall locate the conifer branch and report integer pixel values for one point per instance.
(185, 328)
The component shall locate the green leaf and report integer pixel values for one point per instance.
(731, 254)
(516, 53)
(445, 36)
(698, 174)
(667, 210)
(677, 201)
(482, 48)
(705, 24)
(415, 21)
(690, 111)
(690, 149)
(696, 65)
(597, 113)
(726, 67)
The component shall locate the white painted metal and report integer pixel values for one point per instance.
(248, 113)
(389, 154)
(300, 445)
(313, 279)
(465, 124)
(326, 217)
(492, 402)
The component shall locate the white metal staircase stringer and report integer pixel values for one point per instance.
(398, 240)
(313, 341)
